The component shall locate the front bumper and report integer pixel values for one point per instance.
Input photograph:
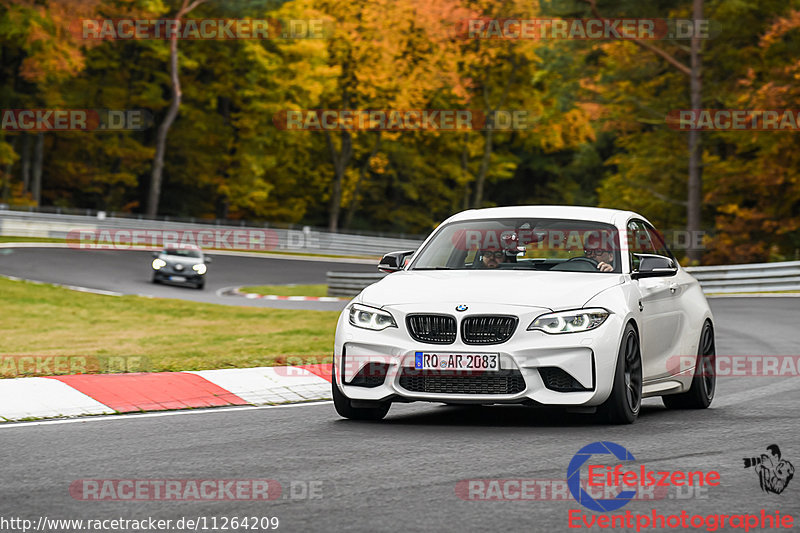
(165, 273)
(525, 360)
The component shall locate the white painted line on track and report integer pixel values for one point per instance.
(93, 291)
(70, 287)
(33, 245)
(135, 416)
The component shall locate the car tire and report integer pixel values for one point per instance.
(704, 383)
(200, 286)
(346, 410)
(156, 280)
(625, 401)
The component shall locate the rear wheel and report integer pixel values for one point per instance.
(625, 401)
(704, 382)
(346, 410)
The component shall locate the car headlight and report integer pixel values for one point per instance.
(200, 268)
(158, 263)
(570, 321)
(365, 317)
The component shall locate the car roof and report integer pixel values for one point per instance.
(571, 212)
(182, 247)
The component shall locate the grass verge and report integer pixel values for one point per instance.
(288, 290)
(168, 335)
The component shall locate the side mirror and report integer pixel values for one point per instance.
(207, 259)
(653, 266)
(394, 261)
(156, 254)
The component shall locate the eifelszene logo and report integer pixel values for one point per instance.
(574, 476)
(630, 478)
(773, 472)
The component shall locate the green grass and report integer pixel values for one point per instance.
(288, 290)
(168, 335)
(30, 239)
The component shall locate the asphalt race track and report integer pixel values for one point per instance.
(129, 272)
(401, 474)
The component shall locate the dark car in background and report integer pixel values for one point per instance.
(183, 265)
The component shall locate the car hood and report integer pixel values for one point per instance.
(552, 290)
(185, 261)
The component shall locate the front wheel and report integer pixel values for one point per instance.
(625, 401)
(346, 410)
(704, 382)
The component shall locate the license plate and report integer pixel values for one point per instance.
(450, 361)
(177, 278)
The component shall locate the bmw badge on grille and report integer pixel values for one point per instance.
(461, 307)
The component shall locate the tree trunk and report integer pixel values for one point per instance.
(695, 188)
(465, 172)
(36, 177)
(163, 129)
(340, 161)
(487, 145)
(484, 168)
(25, 163)
(362, 174)
(161, 139)
(7, 173)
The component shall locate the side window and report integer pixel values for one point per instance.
(659, 245)
(638, 242)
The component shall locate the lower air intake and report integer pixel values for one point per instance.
(559, 380)
(437, 382)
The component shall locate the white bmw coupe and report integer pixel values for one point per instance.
(578, 307)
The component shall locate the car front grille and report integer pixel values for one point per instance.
(432, 329)
(444, 382)
(489, 329)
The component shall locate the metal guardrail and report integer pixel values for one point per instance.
(758, 277)
(304, 240)
(351, 283)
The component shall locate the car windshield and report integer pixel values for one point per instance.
(523, 244)
(183, 253)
